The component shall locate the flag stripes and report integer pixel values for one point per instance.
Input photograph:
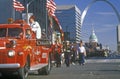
(18, 6)
(51, 6)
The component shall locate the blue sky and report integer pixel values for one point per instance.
(101, 16)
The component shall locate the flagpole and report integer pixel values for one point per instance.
(51, 6)
(46, 18)
(13, 12)
(27, 8)
(13, 16)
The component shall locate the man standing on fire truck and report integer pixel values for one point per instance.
(35, 27)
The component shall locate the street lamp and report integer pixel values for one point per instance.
(27, 6)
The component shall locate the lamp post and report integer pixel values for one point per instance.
(27, 7)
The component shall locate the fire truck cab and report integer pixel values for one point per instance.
(20, 51)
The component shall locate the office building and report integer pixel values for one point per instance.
(70, 17)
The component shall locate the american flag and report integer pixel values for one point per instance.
(18, 6)
(51, 7)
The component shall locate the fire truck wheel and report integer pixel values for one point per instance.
(23, 72)
(46, 69)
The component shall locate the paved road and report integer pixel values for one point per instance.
(93, 69)
(100, 69)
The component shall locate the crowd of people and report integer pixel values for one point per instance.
(71, 54)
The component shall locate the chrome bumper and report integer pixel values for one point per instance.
(16, 65)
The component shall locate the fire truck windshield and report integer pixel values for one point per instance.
(14, 32)
(10, 32)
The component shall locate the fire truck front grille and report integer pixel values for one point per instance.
(3, 57)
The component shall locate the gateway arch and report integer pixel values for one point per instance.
(115, 10)
(92, 2)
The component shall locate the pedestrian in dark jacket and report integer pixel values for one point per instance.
(67, 54)
(73, 53)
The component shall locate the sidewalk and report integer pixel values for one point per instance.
(102, 60)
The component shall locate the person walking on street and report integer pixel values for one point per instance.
(82, 53)
(73, 53)
(67, 53)
(57, 55)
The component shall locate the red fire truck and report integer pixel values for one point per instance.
(21, 54)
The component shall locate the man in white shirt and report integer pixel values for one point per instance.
(82, 53)
(35, 27)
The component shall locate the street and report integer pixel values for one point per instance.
(93, 69)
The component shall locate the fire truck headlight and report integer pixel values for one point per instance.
(11, 53)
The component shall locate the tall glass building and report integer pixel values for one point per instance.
(70, 17)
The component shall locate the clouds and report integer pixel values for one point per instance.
(102, 21)
(106, 13)
(100, 28)
(105, 28)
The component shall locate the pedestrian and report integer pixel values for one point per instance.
(105, 53)
(35, 27)
(82, 53)
(67, 53)
(73, 53)
(57, 54)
